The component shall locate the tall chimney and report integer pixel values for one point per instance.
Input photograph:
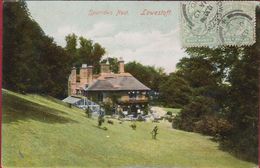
(83, 73)
(73, 75)
(90, 74)
(121, 65)
(73, 82)
(105, 68)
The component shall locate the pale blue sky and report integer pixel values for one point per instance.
(151, 40)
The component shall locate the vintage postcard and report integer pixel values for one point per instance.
(130, 84)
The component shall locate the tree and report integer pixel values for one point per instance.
(19, 49)
(148, 75)
(87, 53)
(229, 76)
(71, 46)
(32, 62)
(198, 71)
(244, 102)
(175, 91)
(97, 53)
(193, 112)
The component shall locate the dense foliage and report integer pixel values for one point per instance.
(32, 61)
(87, 53)
(148, 75)
(175, 91)
(225, 97)
(224, 102)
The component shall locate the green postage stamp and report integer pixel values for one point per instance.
(212, 23)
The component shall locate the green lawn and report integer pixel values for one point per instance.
(41, 132)
(173, 110)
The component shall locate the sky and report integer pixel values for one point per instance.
(133, 33)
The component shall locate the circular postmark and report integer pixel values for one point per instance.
(236, 27)
(198, 15)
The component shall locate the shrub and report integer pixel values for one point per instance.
(154, 132)
(169, 113)
(88, 113)
(133, 126)
(110, 122)
(214, 126)
(168, 118)
(108, 106)
(105, 128)
(193, 112)
(100, 120)
(140, 118)
(146, 110)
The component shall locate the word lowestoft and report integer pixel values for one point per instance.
(147, 12)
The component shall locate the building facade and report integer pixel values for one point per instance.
(121, 89)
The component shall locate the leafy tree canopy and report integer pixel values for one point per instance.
(87, 53)
(32, 61)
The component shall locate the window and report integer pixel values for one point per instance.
(100, 97)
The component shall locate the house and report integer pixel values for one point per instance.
(121, 89)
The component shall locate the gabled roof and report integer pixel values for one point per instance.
(117, 82)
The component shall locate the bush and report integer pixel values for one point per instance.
(108, 107)
(210, 125)
(168, 118)
(193, 113)
(146, 110)
(169, 113)
(105, 128)
(110, 122)
(133, 126)
(100, 120)
(88, 113)
(140, 118)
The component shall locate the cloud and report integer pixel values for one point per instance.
(101, 29)
(150, 48)
(63, 31)
(161, 49)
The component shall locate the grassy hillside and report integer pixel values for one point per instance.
(41, 131)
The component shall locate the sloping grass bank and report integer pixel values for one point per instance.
(41, 132)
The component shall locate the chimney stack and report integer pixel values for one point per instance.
(105, 68)
(73, 75)
(121, 65)
(73, 82)
(83, 73)
(90, 74)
